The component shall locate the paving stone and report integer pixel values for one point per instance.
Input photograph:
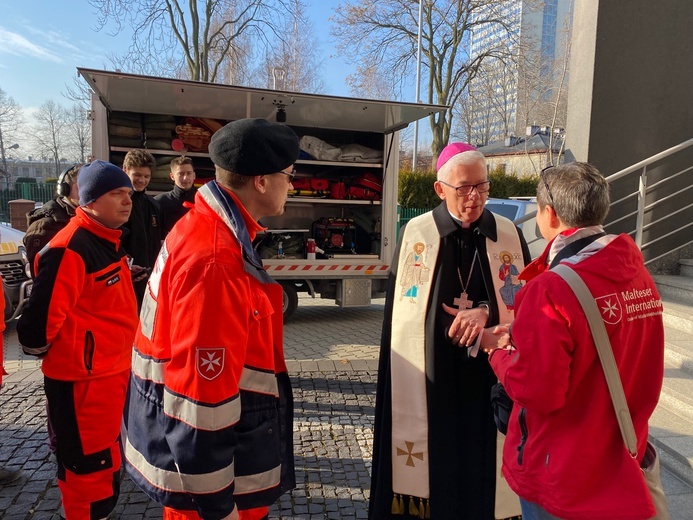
(332, 355)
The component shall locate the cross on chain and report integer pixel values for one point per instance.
(463, 302)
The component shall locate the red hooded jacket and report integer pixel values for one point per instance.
(564, 449)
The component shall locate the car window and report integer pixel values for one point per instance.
(505, 210)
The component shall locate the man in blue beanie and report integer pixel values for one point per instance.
(81, 319)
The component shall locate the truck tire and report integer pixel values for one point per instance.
(289, 299)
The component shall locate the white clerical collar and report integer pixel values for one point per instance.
(465, 225)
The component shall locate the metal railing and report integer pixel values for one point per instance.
(655, 205)
(651, 201)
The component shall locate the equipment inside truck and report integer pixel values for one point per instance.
(345, 189)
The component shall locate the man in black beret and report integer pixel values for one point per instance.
(210, 338)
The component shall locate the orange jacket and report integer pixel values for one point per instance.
(209, 414)
(82, 313)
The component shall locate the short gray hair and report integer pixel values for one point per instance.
(577, 192)
(465, 158)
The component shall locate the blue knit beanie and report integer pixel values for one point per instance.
(98, 178)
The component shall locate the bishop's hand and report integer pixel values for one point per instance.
(467, 325)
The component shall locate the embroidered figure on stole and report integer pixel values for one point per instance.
(508, 273)
(416, 273)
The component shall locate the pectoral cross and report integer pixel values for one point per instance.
(463, 302)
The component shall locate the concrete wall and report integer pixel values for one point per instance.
(520, 164)
(631, 80)
(631, 97)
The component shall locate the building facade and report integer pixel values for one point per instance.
(31, 168)
(527, 83)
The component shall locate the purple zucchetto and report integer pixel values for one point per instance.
(452, 150)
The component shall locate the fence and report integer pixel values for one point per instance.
(38, 192)
(404, 215)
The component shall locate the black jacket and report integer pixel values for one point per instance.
(171, 206)
(43, 224)
(142, 235)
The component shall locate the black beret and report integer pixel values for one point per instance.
(254, 147)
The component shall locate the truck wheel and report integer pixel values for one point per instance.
(289, 300)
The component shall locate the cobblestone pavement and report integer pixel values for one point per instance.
(332, 356)
(333, 437)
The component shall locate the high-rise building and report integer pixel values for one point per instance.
(520, 86)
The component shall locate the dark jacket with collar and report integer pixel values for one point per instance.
(172, 208)
(142, 235)
(142, 240)
(43, 224)
(458, 388)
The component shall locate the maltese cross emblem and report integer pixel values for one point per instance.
(610, 307)
(210, 362)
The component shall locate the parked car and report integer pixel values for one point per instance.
(516, 208)
(14, 268)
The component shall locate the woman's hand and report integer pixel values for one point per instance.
(499, 339)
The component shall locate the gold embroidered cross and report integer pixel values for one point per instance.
(409, 452)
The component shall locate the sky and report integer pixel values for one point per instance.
(42, 42)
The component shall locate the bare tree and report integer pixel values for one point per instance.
(544, 88)
(370, 83)
(296, 54)
(79, 92)
(49, 140)
(384, 33)
(78, 133)
(170, 36)
(560, 100)
(486, 111)
(473, 114)
(10, 122)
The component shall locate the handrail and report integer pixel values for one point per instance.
(650, 160)
(672, 230)
(642, 207)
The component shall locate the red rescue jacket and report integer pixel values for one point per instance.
(82, 312)
(208, 422)
(564, 449)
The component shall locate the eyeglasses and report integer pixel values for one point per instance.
(546, 184)
(290, 174)
(465, 190)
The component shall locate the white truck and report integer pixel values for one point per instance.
(14, 269)
(345, 195)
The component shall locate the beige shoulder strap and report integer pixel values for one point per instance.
(606, 355)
